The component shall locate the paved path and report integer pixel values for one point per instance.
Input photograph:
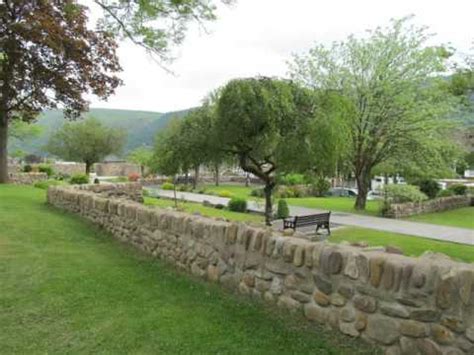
(425, 230)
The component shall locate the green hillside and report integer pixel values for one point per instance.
(141, 126)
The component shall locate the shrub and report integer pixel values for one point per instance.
(145, 193)
(396, 193)
(47, 183)
(219, 206)
(237, 204)
(292, 179)
(291, 191)
(27, 168)
(458, 189)
(45, 168)
(320, 187)
(282, 211)
(429, 187)
(167, 186)
(446, 193)
(61, 176)
(79, 179)
(225, 193)
(257, 192)
(133, 177)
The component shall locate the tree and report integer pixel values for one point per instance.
(22, 131)
(86, 141)
(141, 156)
(261, 121)
(391, 79)
(49, 57)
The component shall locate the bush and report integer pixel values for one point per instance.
(429, 187)
(320, 187)
(237, 204)
(79, 179)
(396, 193)
(45, 168)
(225, 193)
(292, 179)
(145, 193)
(257, 193)
(282, 211)
(27, 168)
(133, 177)
(167, 186)
(446, 193)
(47, 183)
(458, 189)
(291, 191)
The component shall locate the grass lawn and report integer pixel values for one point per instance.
(204, 210)
(410, 245)
(461, 217)
(340, 204)
(69, 287)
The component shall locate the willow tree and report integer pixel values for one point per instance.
(262, 122)
(392, 80)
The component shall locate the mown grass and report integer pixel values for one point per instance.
(68, 287)
(411, 245)
(192, 207)
(461, 217)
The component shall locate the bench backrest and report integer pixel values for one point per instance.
(312, 219)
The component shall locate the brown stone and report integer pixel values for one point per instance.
(321, 298)
(376, 270)
(382, 329)
(445, 293)
(428, 347)
(249, 280)
(365, 303)
(455, 324)
(361, 321)
(347, 314)
(470, 333)
(331, 262)
(308, 255)
(388, 277)
(212, 273)
(442, 335)
(298, 259)
(351, 270)
(413, 328)
(315, 313)
(288, 303)
(393, 250)
(363, 266)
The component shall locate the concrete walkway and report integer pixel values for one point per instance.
(425, 230)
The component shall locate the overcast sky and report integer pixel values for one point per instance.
(257, 37)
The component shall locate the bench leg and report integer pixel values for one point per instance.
(329, 230)
(317, 228)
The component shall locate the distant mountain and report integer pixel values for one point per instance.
(141, 126)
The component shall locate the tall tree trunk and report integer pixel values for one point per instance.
(247, 180)
(196, 176)
(216, 170)
(88, 168)
(3, 149)
(268, 190)
(363, 185)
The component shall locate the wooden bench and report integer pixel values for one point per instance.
(320, 220)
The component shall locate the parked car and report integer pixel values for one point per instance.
(342, 192)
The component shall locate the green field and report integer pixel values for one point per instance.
(69, 287)
(191, 207)
(411, 245)
(461, 217)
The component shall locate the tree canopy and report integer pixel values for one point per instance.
(87, 141)
(392, 81)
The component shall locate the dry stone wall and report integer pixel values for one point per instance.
(406, 305)
(26, 178)
(403, 210)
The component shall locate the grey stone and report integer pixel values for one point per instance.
(276, 287)
(346, 291)
(347, 314)
(409, 346)
(470, 333)
(315, 313)
(351, 270)
(428, 347)
(394, 310)
(288, 303)
(348, 329)
(300, 296)
(323, 284)
(338, 300)
(365, 303)
(442, 335)
(445, 293)
(413, 328)
(382, 329)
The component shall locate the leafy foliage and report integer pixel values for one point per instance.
(79, 179)
(45, 168)
(88, 141)
(237, 204)
(282, 210)
(394, 104)
(167, 186)
(458, 189)
(430, 188)
(397, 193)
